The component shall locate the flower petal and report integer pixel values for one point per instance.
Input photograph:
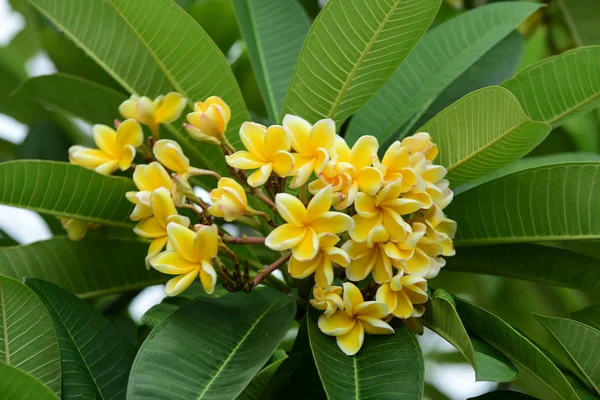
(162, 205)
(308, 247)
(253, 138)
(260, 176)
(106, 139)
(285, 237)
(364, 151)
(375, 326)
(277, 139)
(206, 243)
(151, 177)
(208, 277)
(396, 226)
(371, 309)
(172, 263)
(182, 241)
(149, 228)
(352, 297)
(362, 227)
(303, 168)
(324, 273)
(382, 271)
(127, 156)
(351, 342)
(320, 203)
(359, 269)
(299, 130)
(365, 205)
(283, 163)
(178, 284)
(369, 180)
(301, 269)
(244, 160)
(170, 108)
(129, 133)
(322, 135)
(331, 222)
(170, 154)
(387, 296)
(291, 209)
(338, 323)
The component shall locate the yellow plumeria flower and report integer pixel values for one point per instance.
(314, 145)
(191, 256)
(367, 258)
(155, 227)
(300, 233)
(386, 208)
(163, 109)
(116, 149)
(169, 153)
(358, 316)
(404, 295)
(229, 200)
(327, 299)
(405, 249)
(421, 143)
(147, 178)
(209, 120)
(322, 264)
(396, 164)
(350, 171)
(267, 151)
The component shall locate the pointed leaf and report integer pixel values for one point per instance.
(227, 340)
(96, 357)
(386, 365)
(66, 190)
(580, 342)
(439, 59)
(515, 346)
(27, 337)
(589, 316)
(559, 87)
(547, 203)
(482, 132)
(274, 32)
(259, 385)
(16, 384)
(351, 49)
(88, 268)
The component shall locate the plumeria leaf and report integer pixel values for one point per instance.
(158, 313)
(546, 203)
(515, 346)
(581, 343)
(27, 337)
(441, 317)
(503, 395)
(6, 239)
(226, 342)
(96, 357)
(350, 51)
(274, 32)
(66, 190)
(437, 61)
(386, 365)
(88, 268)
(589, 316)
(581, 18)
(542, 88)
(259, 385)
(483, 131)
(17, 384)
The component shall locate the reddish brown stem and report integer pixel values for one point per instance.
(267, 271)
(243, 239)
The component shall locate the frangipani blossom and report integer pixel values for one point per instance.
(322, 264)
(169, 153)
(367, 258)
(421, 143)
(147, 178)
(404, 296)
(327, 299)
(314, 146)
(190, 256)
(303, 224)
(209, 120)
(229, 200)
(396, 164)
(163, 109)
(155, 227)
(116, 149)
(267, 151)
(358, 316)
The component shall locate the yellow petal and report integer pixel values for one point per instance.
(404, 308)
(359, 269)
(260, 176)
(375, 326)
(162, 205)
(76, 229)
(157, 246)
(170, 108)
(403, 206)
(364, 151)
(369, 180)
(331, 222)
(377, 235)
(283, 163)
(234, 188)
(106, 139)
(301, 269)
(322, 135)
(208, 277)
(396, 226)
(277, 139)
(382, 270)
(253, 137)
(301, 171)
(291, 209)
(339, 323)
(387, 296)
(352, 297)
(129, 133)
(308, 247)
(365, 205)
(140, 212)
(389, 192)
(362, 227)
(244, 160)
(219, 101)
(327, 240)
(299, 130)
(127, 156)
(151, 177)
(182, 241)
(170, 154)
(324, 273)
(107, 168)
(89, 158)
(341, 150)
(338, 256)
(285, 237)
(149, 228)
(321, 160)
(355, 250)
(351, 342)
(178, 284)
(320, 203)
(206, 243)
(172, 263)
(128, 108)
(419, 264)
(396, 156)
(371, 309)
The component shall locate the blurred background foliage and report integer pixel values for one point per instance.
(559, 26)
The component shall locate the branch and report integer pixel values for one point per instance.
(243, 239)
(267, 271)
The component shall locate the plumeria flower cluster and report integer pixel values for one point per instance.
(369, 231)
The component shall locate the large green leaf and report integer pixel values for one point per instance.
(547, 203)
(437, 61)
(96, 357)
(386, 365)
(222, 343)
(259, 386)
(88, 268)
(27, 337)
(274, 32)
(559, 87)
(532, 262)
(45, 141)
(66, 190)
(76, 96)
(581, 17)
(6, 239)
(589, 316)
(482, 132)
(581, 343)
(217, 18)
(351, 49)
(16, 384)
(441, 317)
(515, 346)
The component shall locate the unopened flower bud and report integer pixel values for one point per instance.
(230, 201)
(209, 120)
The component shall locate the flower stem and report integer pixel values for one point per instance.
(243, 239)
(259, 193)
(267, 271)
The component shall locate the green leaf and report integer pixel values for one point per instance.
(8, 150)
(439, 59)
(16, 384)
(503, 395)
(386, 365)
(581, 18)
(27, 337)
(482, 132)
(515, 346)
(274, 32)
(532, 262)
(227, 340)
(88, 268)
(589, 316)
(158, 313)
(259, 385)
(441, 317)
(6, 239)
(547, 203)
(45, 141)
(66, 190)
(217, 18)
(76, 96)
(580, 342)
(559, 87)
(96, 356)
(350, 51)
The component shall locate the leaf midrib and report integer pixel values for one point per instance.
(4, 326)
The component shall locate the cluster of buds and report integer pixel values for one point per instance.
(340, 213)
